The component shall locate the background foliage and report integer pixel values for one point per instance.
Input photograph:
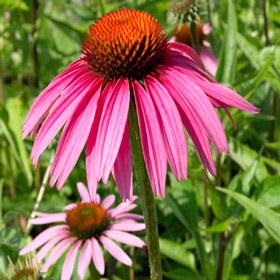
(228, 225)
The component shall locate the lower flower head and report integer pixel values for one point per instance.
(85, 227)
(86, 220)
(25, 269)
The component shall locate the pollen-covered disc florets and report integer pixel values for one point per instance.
(87, 220)
(124, 43)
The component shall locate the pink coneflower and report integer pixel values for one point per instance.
(85, 227)
(126, 60)
(182, 34)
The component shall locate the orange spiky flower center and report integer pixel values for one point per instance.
(87, 220)
(124, 43)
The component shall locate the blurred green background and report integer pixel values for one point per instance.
(234, 229)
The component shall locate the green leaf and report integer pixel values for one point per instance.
(177, 253)
(219, 227)
(15, 109)
(270, 194)
(245, 157)
(267, 217)
(218, 204)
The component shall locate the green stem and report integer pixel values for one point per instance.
(194, 37)
(146, 197)
(40, 195)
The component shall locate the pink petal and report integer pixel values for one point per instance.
(191, 98)
(108, 201)
(227, 96)
(208, 59)
(127, 225)
(129, 216)
(175, 60)
(151, 139)
(61, 112)
(121, 208)
(70, 206)
(97, 256)
(115, 250)
(84, 260)
(82, 189)
(187, 51)
(42, 238)
(122, 170)
(57, 252)
(46, 98)
(91, 159)
(74, 137)
(111, 127)
(172, 127)
(69, 262)
(49, 245)
(53, 218)
(125, 238)
(200, 140)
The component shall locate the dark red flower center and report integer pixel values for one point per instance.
(87, 220)
(124, 43)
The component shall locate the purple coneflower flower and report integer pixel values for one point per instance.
(127, 60)
(86, 226)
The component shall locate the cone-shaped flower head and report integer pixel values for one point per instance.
(85, 227)
(26, 268)
(127, 61)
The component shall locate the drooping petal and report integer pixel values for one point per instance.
(46, 98)
(85, 258)
(69, 262)
(61, 112)
(108, 201)
(222, 94)
(115, 250)
(42, 238)
(82, 189)
(122, 170)
(125, 238)
(93, 168)
(200, 140)
(190, 97)
(97, 256)
(74, 137)
(151, 139)
(59, 249)
(175, 140)
(111, 127)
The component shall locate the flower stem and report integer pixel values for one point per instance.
(40, 195)
(146, 197)
(194, 37)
